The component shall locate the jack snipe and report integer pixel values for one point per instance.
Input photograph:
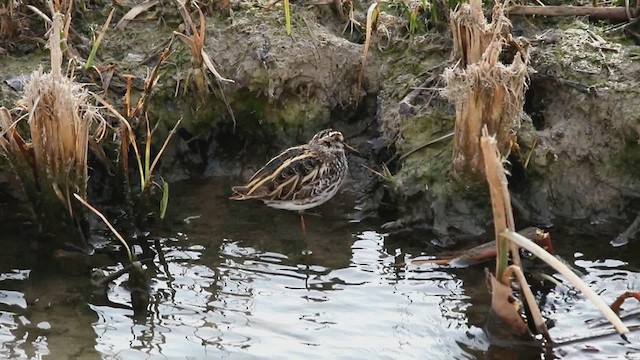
(301, 177)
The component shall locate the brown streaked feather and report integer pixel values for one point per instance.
(283, 177)
(301, 177)
(240, 192)
(279, 174)
(277, 161)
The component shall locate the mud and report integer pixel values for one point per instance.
(578, 143)
(576, 147)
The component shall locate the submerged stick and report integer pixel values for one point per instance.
(103, 281)
(571, 276)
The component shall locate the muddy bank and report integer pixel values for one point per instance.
(576, 148)
(575, 153)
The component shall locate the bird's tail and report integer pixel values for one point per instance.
(239, 193)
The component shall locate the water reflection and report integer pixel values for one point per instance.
(232, 282)
(44, 315)
(236, 283)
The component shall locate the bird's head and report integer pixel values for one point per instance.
(333, 139)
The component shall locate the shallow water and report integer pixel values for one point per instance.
(232, 283)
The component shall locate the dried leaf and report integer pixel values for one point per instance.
(212, 68)
(135, 11)
(506, 306)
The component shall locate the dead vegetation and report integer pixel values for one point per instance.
(508, 244)
(51, 158)
(486, 84)
(47, 138)
(488, 96)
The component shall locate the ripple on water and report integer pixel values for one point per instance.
(239, 300)
(233, 283)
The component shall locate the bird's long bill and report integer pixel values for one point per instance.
(351, 148)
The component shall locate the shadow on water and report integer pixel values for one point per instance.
(231, 281)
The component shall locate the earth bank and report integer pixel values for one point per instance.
(577, 147)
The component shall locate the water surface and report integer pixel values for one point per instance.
(232, 282)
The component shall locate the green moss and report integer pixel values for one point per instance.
(587, 56)
(431, 165)
(249, 108)
(627, 160)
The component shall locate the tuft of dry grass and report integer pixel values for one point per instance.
(60, 117)
(484, 87)
(195, 41)
(51, 157)
(201, 60)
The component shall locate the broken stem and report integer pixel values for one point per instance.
(570, 275)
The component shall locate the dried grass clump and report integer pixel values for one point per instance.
(486, 84)
(11, 24)
(53, 165)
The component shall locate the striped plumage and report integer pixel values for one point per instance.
(301, 177)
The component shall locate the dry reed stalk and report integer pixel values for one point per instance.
(505, 233)
(575, 280)
(503, 221)
(484, 90)
(372, 16)
(497, 181)
(60, 118)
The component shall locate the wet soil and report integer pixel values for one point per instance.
(577, 146)
(221, 279)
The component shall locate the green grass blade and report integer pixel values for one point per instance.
(147, 157)
(96, 43)
(164, 203)
(287, 16)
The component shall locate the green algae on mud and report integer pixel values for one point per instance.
(568, 165)
(583, 104)
(281, 82)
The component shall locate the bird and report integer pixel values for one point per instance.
(301, 177)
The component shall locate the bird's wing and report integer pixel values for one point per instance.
(282, 177)
(276, 162)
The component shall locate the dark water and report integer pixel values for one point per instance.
(233, 283)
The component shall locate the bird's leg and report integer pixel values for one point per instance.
(306, 250)
(304, 228)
